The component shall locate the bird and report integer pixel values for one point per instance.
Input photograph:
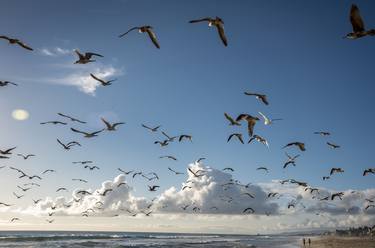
(334, 146)
(176, 172)
(80, 180)
(111, 127)
(136, 173)
(54, 122)
(218, 23)
(91, 167)
(358, 25)
(143, 29)
(312, 189)
(5, 204)
(25, 156)
(251, 121)
(200, 160)
(272, 194)
(231, 120)
(263, 168)
(5, 83)
(169, 138)
(15, 41)
(36, 201)
(248, 210)
(83, 162)
(14, 219)
(259, 139)
(261, 97)
(104, 193)
(84, 192)
(32, 184)
(7, 151)
(291, 160)
(195, 173)
(125, 172)
(339, 195)
(169, 157)
(326, 178)
(268, 121)
(23, 189)
(102, 81)
(336, 170)
(71, 118)
(367, 171)
(68, 145)
(4, 157)
(323, 133)
(86, 134)
(153, 187)
(185, 136)
(162, 143)
(228, 168)
(152, 129)
(86, 57)
(50, 221)
(61, 189)
(18, 196)
(237, 135)
(248, 194)
(369, 206)
(300, 145)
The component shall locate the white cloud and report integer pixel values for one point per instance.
(56, 51)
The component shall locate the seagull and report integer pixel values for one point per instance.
(144, 29)
(367, 171)
(91, 167)
(80, 180)
(5, 83)
(326, 178)
(61, 189)
(152, 129)
(336, 170)
(333, 145)
(200, 160)
(248, 194)
(272, 194)
(195, 173)
(259, 139)
(153, 188)
(170, 157)
(237, 135)
(3, 157)
(7, 151)
(125, 172)
(105, 192)
(84, 192)
(185, 136)
(170, 139)
(300, 145)
(358, 25)
(251, 121)
(291, 160)
(263, 168)
(87, 135)
(14, 219)
(85, 58)
(186, 187)
(68, 145)
(176, 172)
(71, 118)
(83, 162)
(162, 143)
(36, 201)
(5, 204)
(323, 133)
(136, 173)
(268, 121)
(231, 120)
(228, 168)
(218, 23)
(260, 97)
(102, 81)
(23, 189)
(339, 195)
(14, 41)
(53, 122)
(18, 196)
(50, 221)
(248, 210)
(26, 156)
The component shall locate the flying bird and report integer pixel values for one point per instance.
(259, 139)
(83, 162)
(261, 97)
(336, 170)
(91, 167)
(125, 172)
(111, 127)
(153, 187)
(143, 29)
(54, 122)
(162, 143)
(23, 189)
(86, 57)
(152, 129)
(18, 196)
(291, 160)
(185, 136)
(323, 133)
(231, 120)
(195, 173)
(326, 178)
(14, 41)
(248, 210)
(80, 180)
(248, 194)
(170, 138)
(251, 121)
(367, 171)
(68, 145)
(237, 135)
(5, 83)
(61, 189)
(72, 118)
(218, 23)
(175, 172)
(14, 219)
(86, 134)
(300, 145)
(169, 157)
(334, 146)
(25, 156)
(102, 81)
(358, 25)
(228, 168)
(7, 151)
(268, 121)
(5, 204)
(263, 168)
(339, 195)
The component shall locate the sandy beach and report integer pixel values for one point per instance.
(342, 242)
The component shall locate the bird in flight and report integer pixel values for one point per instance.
(237, 135)
(339, 195)
(195, 173)
(49, 170)
(169, 138)
(144, 29)
(83, 162)
(261, 97)
(228, 169)
(91, 167)
(14, 41)
(323, 133)
(18, 196)
(263, 168)
(5, 83)
(102, 81)
(259, 139)
(68, 145)
(231, 120)
(251, 121)
(86, 57)
(25, 156)
(336, 170)
(14, 219)
(86, 134)
(53, 122)
(175, 172)
(218, 23)
(248, 194)
(111, 127)
(7, 151)
(291, 160)
(185, 136)
(334, 146)
(152, 129)
(72, 118)
(153, 187)
(125, 172)
(300, 145)
(268, 121)
(358, 25)
(80, 180)
(367, 171)
(248, 210)
(169, 157)
(326, 178)
(5, 204)
(162, 143)
(61, 189)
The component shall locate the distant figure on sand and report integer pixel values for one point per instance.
(304, 242)
(309, 241)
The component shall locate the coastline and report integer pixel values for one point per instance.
(342, 242)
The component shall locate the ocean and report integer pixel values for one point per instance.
(31, 239)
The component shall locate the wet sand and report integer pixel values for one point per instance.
(341, 242)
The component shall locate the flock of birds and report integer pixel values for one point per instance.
(250, 120)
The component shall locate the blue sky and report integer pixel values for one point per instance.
(292, 51)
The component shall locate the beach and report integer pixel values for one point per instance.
(342, 242)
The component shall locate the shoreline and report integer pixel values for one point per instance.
(341, 242)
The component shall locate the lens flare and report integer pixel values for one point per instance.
(20, 114)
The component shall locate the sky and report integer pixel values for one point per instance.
(292, 51)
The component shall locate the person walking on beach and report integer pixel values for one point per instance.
(304, 242)
(309, 241)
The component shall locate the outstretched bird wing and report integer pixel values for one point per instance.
(356, 19)
(152, 36)
(207, 19)
(121, 35)
(97, 79)
(24, 46)
(220, 30)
